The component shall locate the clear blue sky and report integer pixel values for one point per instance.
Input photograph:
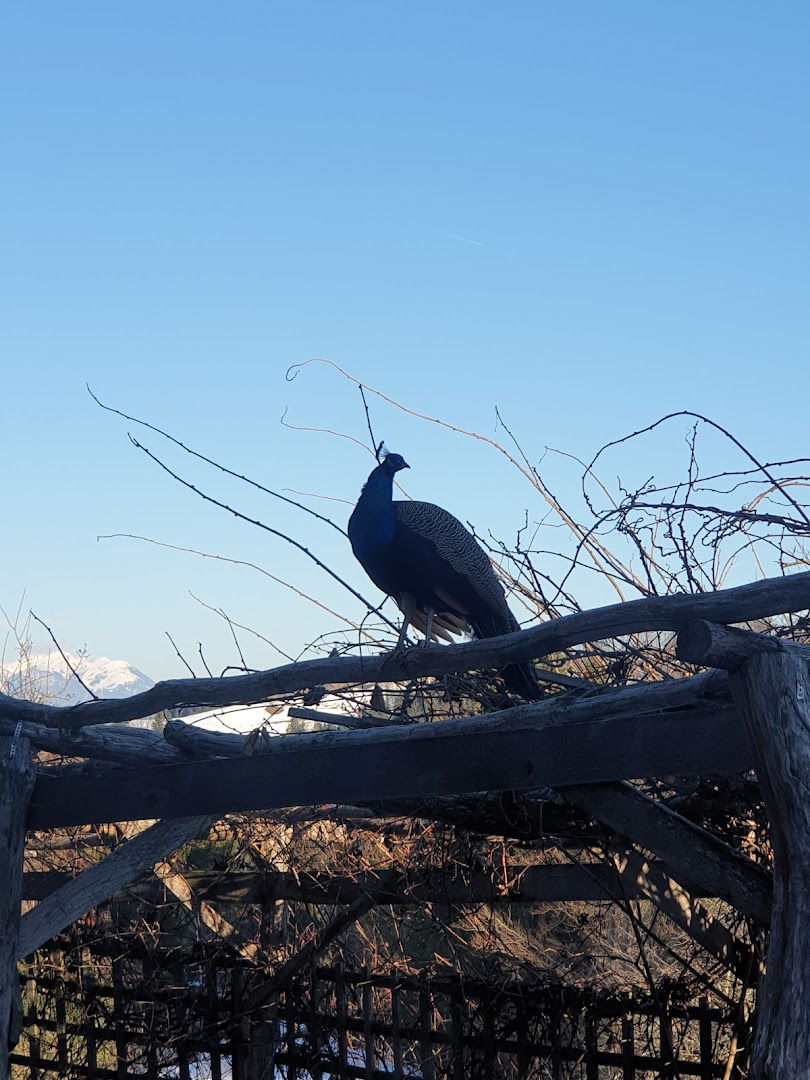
(588, 214)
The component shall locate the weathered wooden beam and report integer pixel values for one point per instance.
(361, 721)
(706, 690)
(16, 784)
(113, 742)
(728, 647)
(586, 882)
(522, 815)
(508, 751)
(650, 881)
(772, 596)
(180, 887)
(125, 864)
(772, 690)
(701, 862)
(196, 742)
(181, 740)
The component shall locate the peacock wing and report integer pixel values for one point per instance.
(461, 573)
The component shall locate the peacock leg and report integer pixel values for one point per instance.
(407, 606)
(403, 633)
(429, 613)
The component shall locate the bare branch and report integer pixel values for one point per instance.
(182, 658)
(73, 670)
(216, 464)
(261, 525)
(747, 602)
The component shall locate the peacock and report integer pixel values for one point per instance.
(434, 568)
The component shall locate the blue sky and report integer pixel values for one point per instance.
(586, 214)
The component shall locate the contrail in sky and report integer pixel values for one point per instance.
(465, 239)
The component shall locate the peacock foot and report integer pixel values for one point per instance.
(396, 654)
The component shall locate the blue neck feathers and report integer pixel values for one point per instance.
(372, 523)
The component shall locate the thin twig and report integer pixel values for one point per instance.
(232, 623)
(208, 671)
(215, 464)
(763, 468)
(251, 566)
(189, 668)
(375, 445)
(260, 525)
(73, 670)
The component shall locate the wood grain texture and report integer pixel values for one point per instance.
(112, 742)
(704, 691)
(728, 647)
(772, 691)
(16, 784)
(508, 751)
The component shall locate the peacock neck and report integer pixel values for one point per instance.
(379, 486)
(375, 507)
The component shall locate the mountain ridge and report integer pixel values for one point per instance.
(48, 677)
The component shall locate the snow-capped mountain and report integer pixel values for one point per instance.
(47, 677)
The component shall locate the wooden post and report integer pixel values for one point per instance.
(487, 1008)
(58, 965)
(32, 1023)
(16, 785)
(291, 1026)
(556, 1060)
(119, 1019)
(320, 1047)
(150, 979)
(772, 690)
(396, 1029)
(628, 1049)
(240, 1030)
(216, 1064)
(341, 1013)
(184, 1070)
(369, 1054)
(591, 1047)
(706, 1045)
(666, 1047)
(457, 1012)
(770, 682)
(426, 1029)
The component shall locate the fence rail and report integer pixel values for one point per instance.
(123, 1020)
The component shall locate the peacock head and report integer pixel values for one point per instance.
(392, 463)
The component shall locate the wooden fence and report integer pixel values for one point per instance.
(117, 1018)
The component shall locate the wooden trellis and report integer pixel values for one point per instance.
(750, 712)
